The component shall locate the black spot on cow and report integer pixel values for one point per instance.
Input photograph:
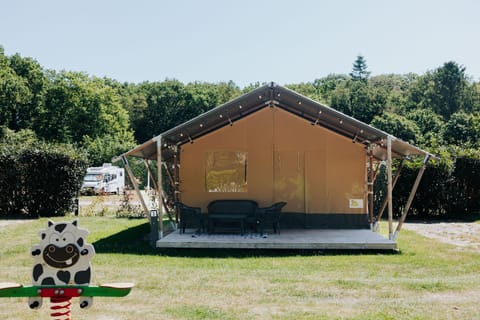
(37, 271)
(48, 281)
(60, 227)
(83, 277)
(75, 223)
(63, 276)
(80, 242)
(84, 252)
(43, 235)
(36, 252)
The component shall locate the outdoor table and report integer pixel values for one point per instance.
(228, 217)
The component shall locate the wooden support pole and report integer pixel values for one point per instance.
(377, 170)
(169, 175)
(155, 187)
(370, 190)
(389, 187)
(176, 174)
(385, 201)
(150, 173)
(135, 186)
(159, 184)
(411, 196)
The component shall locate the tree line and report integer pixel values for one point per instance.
(102, 117)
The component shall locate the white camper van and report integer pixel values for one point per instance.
(104, 179)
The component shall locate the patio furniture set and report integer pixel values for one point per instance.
(231, 216)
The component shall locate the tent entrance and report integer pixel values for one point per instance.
(300, 180)
(289, 179)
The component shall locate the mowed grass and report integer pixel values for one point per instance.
(426, 280)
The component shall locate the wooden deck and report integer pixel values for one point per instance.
(327, 239)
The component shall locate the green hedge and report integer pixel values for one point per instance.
(39, 180)
(449, 189)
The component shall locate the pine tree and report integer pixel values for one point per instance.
(359, 70)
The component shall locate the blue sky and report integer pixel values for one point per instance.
(242, 40)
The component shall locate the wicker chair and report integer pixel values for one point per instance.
(270, 216)
(191, 217)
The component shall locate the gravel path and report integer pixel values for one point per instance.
(465, 235)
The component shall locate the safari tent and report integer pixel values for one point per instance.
(273, 144)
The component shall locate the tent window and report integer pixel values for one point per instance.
(226, 171)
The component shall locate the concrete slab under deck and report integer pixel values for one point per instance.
(337, 239)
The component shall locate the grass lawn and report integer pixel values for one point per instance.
(426, 280)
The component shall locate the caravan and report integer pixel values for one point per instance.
(104, 179)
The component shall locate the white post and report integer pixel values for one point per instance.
(389, 187)
(148, 182)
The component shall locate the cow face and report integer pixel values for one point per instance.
(61, 251)
(62, 258)
(62, 255)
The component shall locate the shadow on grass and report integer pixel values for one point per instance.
(135, 240)
(130, 241)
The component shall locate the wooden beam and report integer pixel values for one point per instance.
(389, 187)
(159, 184)
(155, 187)
(176, 178)
(370, 189)
(385, 201)
(135, 186)
(411, 196)
(150, 173)
(377, 170)
(169, 175)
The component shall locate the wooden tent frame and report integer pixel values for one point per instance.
(165, 147)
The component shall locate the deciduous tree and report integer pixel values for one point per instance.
(397, 125)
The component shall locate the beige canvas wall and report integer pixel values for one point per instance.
(309, 167)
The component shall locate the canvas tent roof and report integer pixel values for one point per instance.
(274, 95)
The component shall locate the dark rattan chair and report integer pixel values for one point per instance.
(270, 216)
(191, 217)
